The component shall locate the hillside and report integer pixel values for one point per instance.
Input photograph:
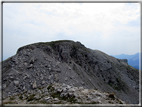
(68, 62)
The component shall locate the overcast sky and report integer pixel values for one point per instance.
(113, 28)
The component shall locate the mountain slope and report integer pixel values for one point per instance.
(69, 62)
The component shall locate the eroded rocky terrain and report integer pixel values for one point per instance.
(68, 62)
(63, 94)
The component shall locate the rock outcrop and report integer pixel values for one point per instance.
(41, 64)
(125, 60)
(63, 94)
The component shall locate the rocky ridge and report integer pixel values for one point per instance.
(41, 64)
(63, 94)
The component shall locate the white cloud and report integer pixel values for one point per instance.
(97, 25)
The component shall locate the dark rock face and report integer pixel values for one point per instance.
(41, 64)
(125, 60)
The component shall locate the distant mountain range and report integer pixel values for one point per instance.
(133, 60)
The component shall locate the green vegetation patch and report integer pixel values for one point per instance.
(40, 88)
(50, 88)
(56, 95)
(67, 97)
(31, 97)
(12, 98)
(20, 97)
(111, 96)
(72, 99)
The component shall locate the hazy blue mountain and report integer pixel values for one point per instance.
(133, 60)
(124, 56)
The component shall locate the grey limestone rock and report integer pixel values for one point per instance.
(34, 85)
(16, 83)
(43, 82)
(70, 63)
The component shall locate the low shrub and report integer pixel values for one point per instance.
(31, 97)
(111, 96)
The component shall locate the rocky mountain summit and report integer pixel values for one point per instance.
(68, 62)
